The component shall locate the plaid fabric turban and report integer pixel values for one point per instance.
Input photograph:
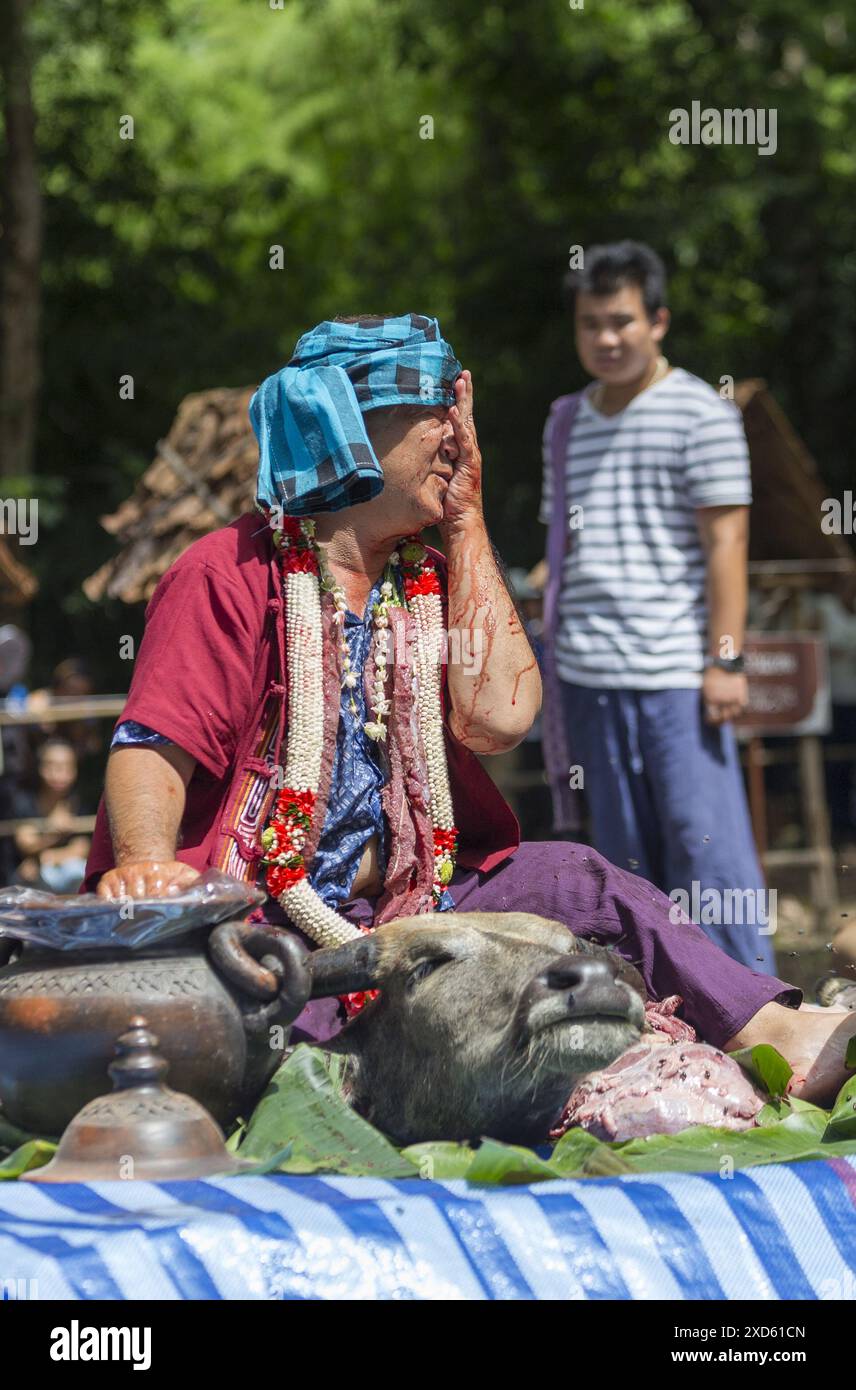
(314, 452)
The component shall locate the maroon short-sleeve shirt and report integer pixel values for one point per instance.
(208, 657)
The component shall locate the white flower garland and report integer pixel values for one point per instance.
(285, 838)
(427, 609)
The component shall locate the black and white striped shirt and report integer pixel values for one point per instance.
(632, 605)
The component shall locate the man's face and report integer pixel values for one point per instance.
(617, 341)
(417, 451)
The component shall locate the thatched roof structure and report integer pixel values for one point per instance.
(204, 471)
(202, 477)
(788, 491)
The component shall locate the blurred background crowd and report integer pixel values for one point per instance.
(50, 771)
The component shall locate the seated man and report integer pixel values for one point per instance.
(290, 720)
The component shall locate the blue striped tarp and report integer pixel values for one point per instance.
(776, 1232)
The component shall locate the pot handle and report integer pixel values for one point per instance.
(265, 963)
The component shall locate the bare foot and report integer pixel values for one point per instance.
(813, 1041)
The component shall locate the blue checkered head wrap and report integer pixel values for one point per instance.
(314, 452)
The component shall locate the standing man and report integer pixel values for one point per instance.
(648, 627)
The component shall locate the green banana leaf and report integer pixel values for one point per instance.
(34, 1154)
(579, 1154)
(782, 1106)
(304, 1108)
(494, 1162)
(767, 1067)
(796, 1137)
(274, 1164)
(310, 1085)
(440, 1159)
(703, 1149)
(842, 1121)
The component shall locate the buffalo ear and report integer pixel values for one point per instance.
(344, 969)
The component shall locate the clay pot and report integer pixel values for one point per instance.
(221, 1003)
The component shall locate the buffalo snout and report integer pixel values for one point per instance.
(573, 987)
(578, 972)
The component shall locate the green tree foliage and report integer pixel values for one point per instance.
(304, 127)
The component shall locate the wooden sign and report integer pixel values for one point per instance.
(788, 684)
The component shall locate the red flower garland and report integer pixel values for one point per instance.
(427, 582)
(445, 839)
(292, 811)
(354, 1004)
(299, 561)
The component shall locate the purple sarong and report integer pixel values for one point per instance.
(573, 884)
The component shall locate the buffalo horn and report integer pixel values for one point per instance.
(344, 969)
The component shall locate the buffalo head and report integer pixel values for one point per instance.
(484, 1023)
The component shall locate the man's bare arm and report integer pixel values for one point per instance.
(145, 795)
(724, 533)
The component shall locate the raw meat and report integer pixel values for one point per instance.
(660, 1019)
(661, 1089)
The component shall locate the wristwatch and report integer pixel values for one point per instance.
(735, 664)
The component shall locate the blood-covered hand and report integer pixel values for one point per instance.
(463, 500)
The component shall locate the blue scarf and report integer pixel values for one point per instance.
(314, 452)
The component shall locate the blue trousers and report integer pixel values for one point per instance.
(666, 800)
